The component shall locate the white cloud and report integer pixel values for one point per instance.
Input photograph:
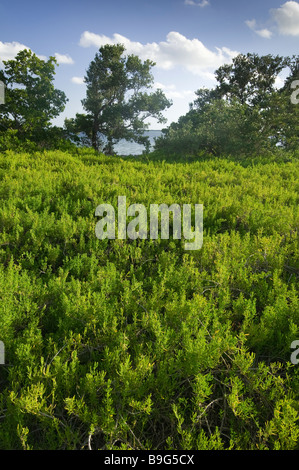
(91, 39)
(264, 33)
(287, 18)
(177, 50)
(279, 82)
(78, 80)
(164, 87)
(63, 58)
(251, 24)
(8, 50)
(199, 3)
(171, 91)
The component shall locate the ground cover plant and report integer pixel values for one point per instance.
(122, 344)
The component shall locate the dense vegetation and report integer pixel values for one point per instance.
(245, 114)
(117, 102)
(139, 344)
(31, 101)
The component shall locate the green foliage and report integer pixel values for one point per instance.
(220, 128)
(31, 100)
(121, 344)
(243, 115)
(50, 138)
(116, 102)
(250, 78)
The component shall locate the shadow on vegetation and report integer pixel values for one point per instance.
(280, 156)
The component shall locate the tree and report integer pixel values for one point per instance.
(244, 114)
(250, 77)
(116, 102)
(31, 100)
(220, 128)
(280, 118)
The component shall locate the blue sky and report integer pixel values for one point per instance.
(188, 39)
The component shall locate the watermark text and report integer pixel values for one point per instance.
(295, 94)
(181, 222)
(295, 354)
(2, 353)
(2, 93)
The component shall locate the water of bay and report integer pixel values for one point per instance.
(123, 147)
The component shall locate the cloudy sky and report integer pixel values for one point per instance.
(187, 39)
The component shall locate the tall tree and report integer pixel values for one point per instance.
(31, 100)
(244, 114)
(117, 103)
(250, 77)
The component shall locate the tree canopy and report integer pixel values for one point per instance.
(31, 100)
(245, 113)
(117, 103)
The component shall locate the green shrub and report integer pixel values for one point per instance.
(121, 344)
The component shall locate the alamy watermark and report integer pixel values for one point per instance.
(2, 93)
(181, 222)
(2, 353)
(295, 94)
(295, 354)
